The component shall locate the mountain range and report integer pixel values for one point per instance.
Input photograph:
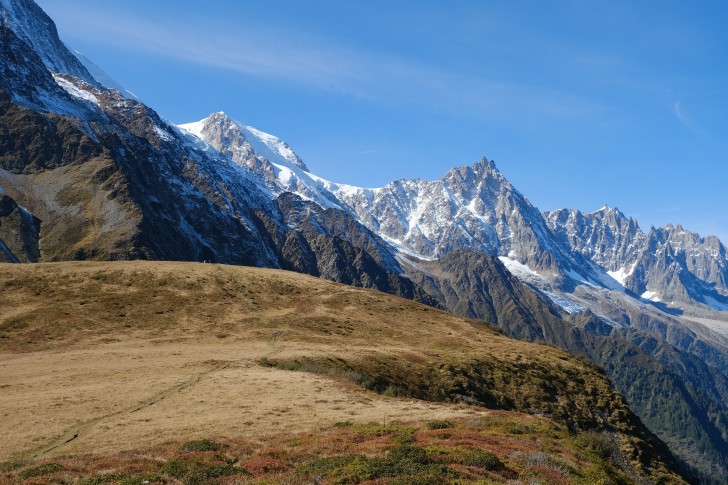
(90, 172)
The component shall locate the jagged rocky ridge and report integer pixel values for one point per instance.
(667, 264)
(472, 208)
(476, 208)
(89, 174)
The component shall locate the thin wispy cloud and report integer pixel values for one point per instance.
(245, 51)
(291, 57)
(686, 121)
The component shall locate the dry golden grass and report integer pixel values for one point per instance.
(138, 379)
(103, 357)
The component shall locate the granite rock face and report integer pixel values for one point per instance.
(667, 264)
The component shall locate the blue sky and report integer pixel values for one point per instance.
(580, 103)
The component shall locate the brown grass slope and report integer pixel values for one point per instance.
(103, 357)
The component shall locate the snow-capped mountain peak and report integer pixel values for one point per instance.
(471, 207)
(274, 159)
(476, 208)
(246, 138)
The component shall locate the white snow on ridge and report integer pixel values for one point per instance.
(609, 281)
(621, 274)
(264, 144)
(161, 133)
(74, 91)
(602, 279)
(194, 128)
(291, 174)
(270, 147)
(523, 272)
(351, 190)
(651, 295)
(578, 278)
(284, 174)
(102, 77)
(518, 269)
(405, 251)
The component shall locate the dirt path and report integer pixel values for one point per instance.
(231, 395)
(78, 431)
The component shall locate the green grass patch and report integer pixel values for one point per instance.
(201, 445)
(440, 424)
(405, 438)
(325, 466)
(142, 480)
(40, 471)
(105, 478)
(8, 466)
(122, 479)
(463, 456)
(381, 430)
(174, 468)
(196, 473)
(404, 461)
(519, 429)
(480, 458)
(599, 444)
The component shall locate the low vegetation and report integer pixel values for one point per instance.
(467, 451)
(106, 357)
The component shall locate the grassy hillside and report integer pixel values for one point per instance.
(108, 357)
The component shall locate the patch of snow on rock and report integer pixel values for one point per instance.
(564, 303)
(162, 134)
(578, 278)
(518, 269)
(620, 275)
(74, 91)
